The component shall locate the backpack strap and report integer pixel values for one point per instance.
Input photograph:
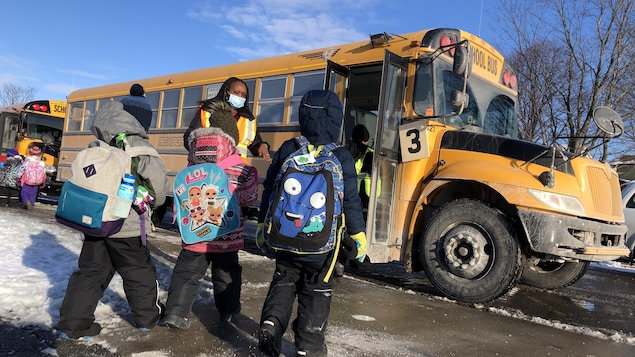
(231, 160)
(302, 141)
(135, 151)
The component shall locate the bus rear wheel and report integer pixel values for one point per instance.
(469, 252)
(552, 275)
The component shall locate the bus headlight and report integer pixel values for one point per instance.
(560, 202)
(50, 169)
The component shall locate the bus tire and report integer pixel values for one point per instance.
(469, 252)
(552, 275)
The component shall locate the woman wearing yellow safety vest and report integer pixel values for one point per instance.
(363, 155)
(233, 91)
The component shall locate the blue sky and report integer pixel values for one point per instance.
(63, 45)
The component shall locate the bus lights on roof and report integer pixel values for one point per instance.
(509, 79)
(40, 108)
(446, 40)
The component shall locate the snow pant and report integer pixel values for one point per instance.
(295, 275)
(28, 193)
(11, 194)
(98, 261)
(189, 270)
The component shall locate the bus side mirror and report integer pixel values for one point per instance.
(462, 66)
(459, 100)
(608, 121)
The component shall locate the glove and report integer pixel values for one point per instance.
(260, 241)
(360, 240)
(348, 250)
(142, 199)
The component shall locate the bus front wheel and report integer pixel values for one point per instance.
(552, 275)
(469, 252)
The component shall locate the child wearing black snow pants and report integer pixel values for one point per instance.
(309, 277)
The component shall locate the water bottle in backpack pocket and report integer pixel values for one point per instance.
(125, 196)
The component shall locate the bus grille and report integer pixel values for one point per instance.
(603, 189)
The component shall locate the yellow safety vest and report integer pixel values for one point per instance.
(246, 131)
(363, 177)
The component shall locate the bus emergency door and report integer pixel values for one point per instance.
(385, 160)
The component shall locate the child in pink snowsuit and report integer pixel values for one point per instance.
(34, 176)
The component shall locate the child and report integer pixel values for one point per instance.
(124, 252)
(308, 276)
(34, 176)
(213, 145)
(10, 175)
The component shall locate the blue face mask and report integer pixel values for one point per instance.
(236, 101)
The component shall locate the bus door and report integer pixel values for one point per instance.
(385, 160)
(336, 80)
(9, 122)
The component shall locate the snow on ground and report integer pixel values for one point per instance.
(38, 258)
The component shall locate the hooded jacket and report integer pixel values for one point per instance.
(111, 120)
(320, 117)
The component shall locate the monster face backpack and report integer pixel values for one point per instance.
(305, 207)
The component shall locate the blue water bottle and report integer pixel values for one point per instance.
(125, 195)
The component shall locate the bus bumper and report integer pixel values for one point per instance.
(574, 237)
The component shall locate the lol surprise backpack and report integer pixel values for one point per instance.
(205, 204)
(305, 207)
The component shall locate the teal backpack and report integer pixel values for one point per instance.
(205, 204)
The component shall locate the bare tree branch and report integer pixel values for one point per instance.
(11, 93)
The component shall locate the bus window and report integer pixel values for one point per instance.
(302, 83)
(191, 98)
(89, 113)
(75, 117)
(500, 117)
(170, 108)
(271, 100)
(9, 131)
(39, 125)
(251, 89)
(153, 99)
(469, 116)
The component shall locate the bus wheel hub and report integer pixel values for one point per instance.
(464, 252)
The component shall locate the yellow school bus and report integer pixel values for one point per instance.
(38, 121)
(458, 195)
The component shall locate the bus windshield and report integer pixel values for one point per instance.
(38, 125)
(489, 110)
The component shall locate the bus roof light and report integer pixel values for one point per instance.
(36, 107)
(446, 40)
(509, 79)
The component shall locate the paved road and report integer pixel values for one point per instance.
(368, 318)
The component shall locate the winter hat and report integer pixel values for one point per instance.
(221, 116)
(360, 133)
(34, 149)
(12, 152)
(137, 90)
(137, 105)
